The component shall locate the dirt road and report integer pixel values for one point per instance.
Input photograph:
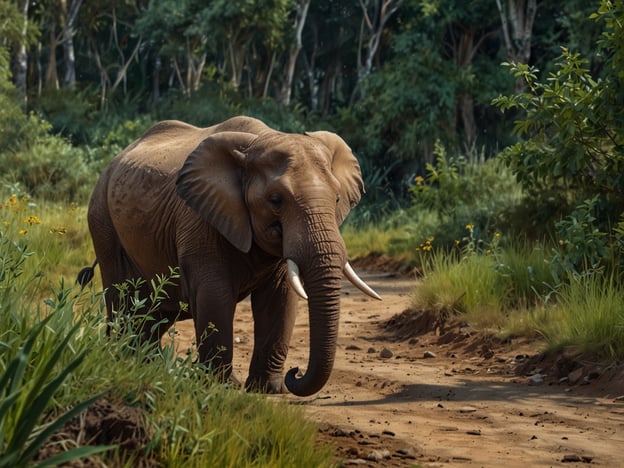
(450, 396)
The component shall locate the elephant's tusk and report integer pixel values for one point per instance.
(295, 279)
(358, 282)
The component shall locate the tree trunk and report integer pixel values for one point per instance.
(21, 58)
(517, 26)
(310, 64)
(236, 54)
(121, 74)
(465, 52)
(295, 48)
(466, 113)
(156, 80)
(68, 33)
(373, 24)
(51, 76)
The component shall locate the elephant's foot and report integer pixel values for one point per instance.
(272, 384)
(233, 381)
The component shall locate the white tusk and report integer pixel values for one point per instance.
(295, 280)
(358, 282)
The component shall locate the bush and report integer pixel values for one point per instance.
(49, 168)
(464, 191)
(71, 112)
(572, 136)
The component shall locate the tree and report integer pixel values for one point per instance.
(69, 19)
(517, 25)
(374, 19)
(432, 80)
(21, 56)
(572, 127)
(301, 13)
(111, 43)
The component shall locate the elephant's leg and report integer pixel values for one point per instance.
(274, 309)
(116, 267)
(212, 306)
(214, 333)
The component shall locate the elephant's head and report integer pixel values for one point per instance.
(288, 194)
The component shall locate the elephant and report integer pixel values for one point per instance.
(241, 210)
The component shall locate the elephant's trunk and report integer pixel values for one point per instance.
(322, 273)
(324, 311)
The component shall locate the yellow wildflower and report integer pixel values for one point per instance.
(22, 232)
(497, 234)
(32, 220)
(419, 180)
(13, 200)
(470, 227)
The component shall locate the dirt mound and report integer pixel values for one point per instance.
(572, 371)
(443, 330)
(383, 263)
(104, 423)
(412, 323)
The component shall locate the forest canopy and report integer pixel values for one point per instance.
(395, 78)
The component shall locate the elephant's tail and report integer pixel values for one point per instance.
(86, 275)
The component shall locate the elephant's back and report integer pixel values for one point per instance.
(163, 148)
(140, 181)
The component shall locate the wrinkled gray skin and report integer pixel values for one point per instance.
(229, 204)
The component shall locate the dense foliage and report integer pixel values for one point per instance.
(391, 76)
(57, 358)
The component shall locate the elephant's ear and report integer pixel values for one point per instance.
(210, 182)
(346, 169)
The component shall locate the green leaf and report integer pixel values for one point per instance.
(58, 424)
(74, 454)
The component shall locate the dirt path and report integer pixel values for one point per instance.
(449, 397)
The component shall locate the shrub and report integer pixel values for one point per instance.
(49, 168)
(71, 112)
(588, 318)
(572, 135)
(462, 191)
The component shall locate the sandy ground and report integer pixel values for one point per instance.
(409, 390)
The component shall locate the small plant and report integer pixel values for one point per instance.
(588, 318)
(582, 247)
(26, 393)
(462, 190)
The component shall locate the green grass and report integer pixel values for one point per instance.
(191, 419)
(471, 287)
(499, 284)
(398, 236)
(588, 318)
(510, 290)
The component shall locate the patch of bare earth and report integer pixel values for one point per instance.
(412, 387)
(106, 422)
(415, 388)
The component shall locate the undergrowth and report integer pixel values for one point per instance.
(56, 359)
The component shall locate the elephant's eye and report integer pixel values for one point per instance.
(275, 199)
(337, 199)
